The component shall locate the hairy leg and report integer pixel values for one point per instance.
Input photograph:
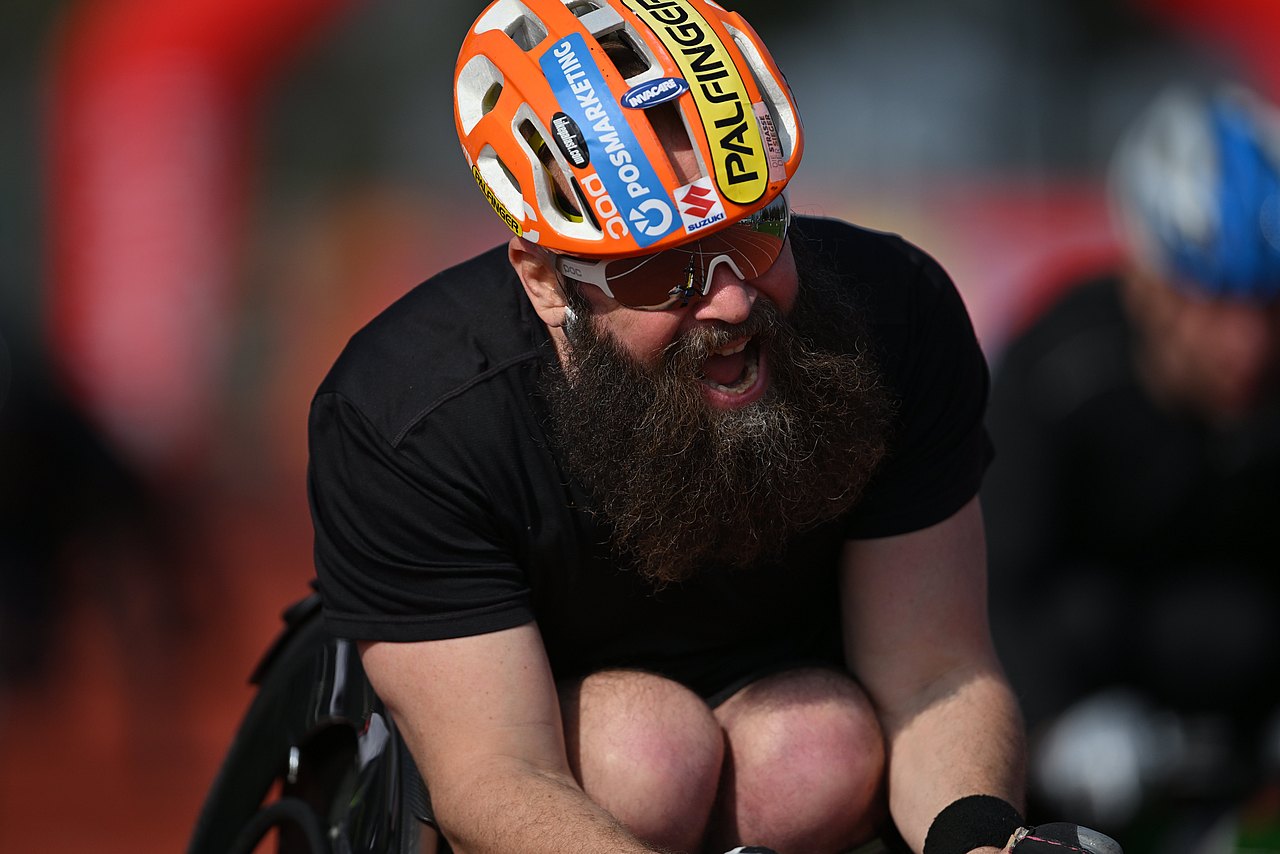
(646, 749)
(805, 766)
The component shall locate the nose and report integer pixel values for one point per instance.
(729, 298)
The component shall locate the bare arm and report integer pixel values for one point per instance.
(481, 717)
(916, 635)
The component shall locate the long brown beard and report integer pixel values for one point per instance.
(685, 486)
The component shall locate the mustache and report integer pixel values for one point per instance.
(697, 344)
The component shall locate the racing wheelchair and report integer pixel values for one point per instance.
(318, 760)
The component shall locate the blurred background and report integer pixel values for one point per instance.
(200, 200)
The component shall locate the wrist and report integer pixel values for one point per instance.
(974, 823)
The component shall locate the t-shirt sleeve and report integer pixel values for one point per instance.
(936, 371)
(405, 549)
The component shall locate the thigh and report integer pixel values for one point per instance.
(806, 763)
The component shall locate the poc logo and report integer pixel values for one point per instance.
(651, 93)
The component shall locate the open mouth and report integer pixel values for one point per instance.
(734, 368)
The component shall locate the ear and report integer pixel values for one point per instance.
(538, 276)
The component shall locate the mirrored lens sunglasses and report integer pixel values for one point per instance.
(674, 276)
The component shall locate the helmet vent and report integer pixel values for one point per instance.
(562, 192)
(784, 118)
(503, 186)
(490, 98)
(668, 124)
(624, 54)
(527, 32)
(479, 87)
(591, 215)
(512, 182)
(582, 8)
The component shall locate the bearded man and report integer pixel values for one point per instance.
(658, 527)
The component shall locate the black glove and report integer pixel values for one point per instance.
(1062, 837)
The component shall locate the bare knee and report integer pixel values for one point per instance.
(648, 750)
(806, 764)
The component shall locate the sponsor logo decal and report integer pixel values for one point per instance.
(738, 152)
(570, 140)
(651, 93)
(697, 201)
(625, 192)
(772, 145)
(498, 206)
(699, 205)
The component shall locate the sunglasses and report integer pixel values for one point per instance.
(662, 279)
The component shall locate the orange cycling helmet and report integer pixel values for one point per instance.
(556, 103)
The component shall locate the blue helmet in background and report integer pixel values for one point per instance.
(1195, 186)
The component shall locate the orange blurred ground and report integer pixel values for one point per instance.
(114, 748)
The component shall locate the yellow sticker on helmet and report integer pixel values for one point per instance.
(724, 104)
(498, 206)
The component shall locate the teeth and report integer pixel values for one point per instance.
(742, 385)
(729, 351)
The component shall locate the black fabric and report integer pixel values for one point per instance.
(440, 510)
(974, 821)
(969, 822)
(1129, 544)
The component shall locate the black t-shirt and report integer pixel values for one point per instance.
(441, 509)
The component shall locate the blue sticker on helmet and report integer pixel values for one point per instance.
(625, 192)
(651, 93)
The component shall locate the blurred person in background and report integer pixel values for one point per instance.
(1133, 511)
(70, 505)
(152, 139)
(110, 447)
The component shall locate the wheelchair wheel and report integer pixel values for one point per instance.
(316, 761)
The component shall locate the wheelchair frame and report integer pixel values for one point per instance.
(316, 757)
